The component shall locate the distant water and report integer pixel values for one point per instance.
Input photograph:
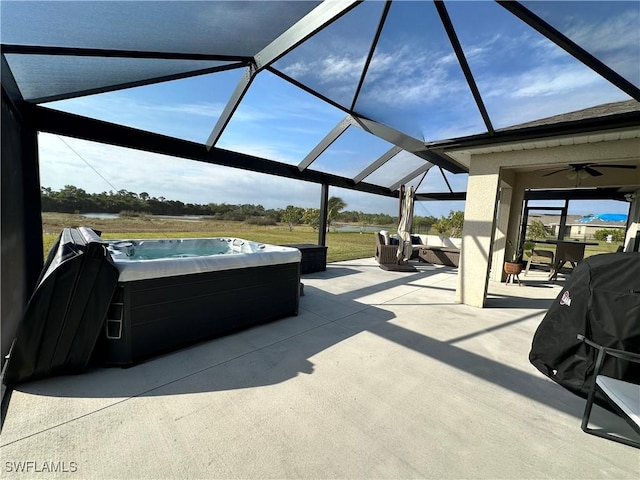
(103, 216)
(109, 216)
(359, 228)
(191, 218)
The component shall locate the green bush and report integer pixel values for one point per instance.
(450, 226)
(536, 230)
(616, 233)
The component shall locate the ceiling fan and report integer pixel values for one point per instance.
(587, 168)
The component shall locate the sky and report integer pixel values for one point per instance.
(417, 88)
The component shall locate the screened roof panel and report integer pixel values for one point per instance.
(610, 30)
(71, 74)
(222, 27)
(185, 108)
(351, 153)
(414, 88)
(331, 62)
(521, 75)
(278, 121)
(415, 83)
(434, 182)
(395, 169)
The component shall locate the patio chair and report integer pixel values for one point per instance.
(386, 256)
(621, 395)
(537, 256)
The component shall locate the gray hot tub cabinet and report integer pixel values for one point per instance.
(152, 316)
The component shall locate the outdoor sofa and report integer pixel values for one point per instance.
(427, 248)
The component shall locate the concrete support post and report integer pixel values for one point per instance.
(632, 240)
(515, 214)
(500, 236)
(477, 232)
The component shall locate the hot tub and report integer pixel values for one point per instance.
(174, 292)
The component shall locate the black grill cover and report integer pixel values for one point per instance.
(601, 300)
(66, 312)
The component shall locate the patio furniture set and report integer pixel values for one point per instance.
(426, 248)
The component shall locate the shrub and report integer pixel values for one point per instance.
(311, 217)
(537, 230)
(292, 216)
(450, 226)
(616, 233)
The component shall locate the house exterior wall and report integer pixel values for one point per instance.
(485, 173)
(584, 231)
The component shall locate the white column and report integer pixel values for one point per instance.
(515, 213)
(477, 232)
(500, 236)
(634, 223)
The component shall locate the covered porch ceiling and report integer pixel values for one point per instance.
(383, 91)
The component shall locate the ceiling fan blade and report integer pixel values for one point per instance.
(592, 172)
(604, 165)
(555, 171)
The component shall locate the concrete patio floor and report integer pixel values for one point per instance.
(381, 375)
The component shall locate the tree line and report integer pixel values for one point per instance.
(72, 199)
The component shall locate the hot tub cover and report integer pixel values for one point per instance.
(601, 300)
(67, 310)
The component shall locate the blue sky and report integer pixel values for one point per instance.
(417, 88)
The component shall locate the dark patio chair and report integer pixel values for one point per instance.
(621, 395)
(386, 256)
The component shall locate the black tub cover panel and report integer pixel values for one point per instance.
(66, 312)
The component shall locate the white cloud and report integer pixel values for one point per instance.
(343, 69)
(190, 121)
(407, 76)
(125, 106)
(277, 150)
(615, 41)
(328, 69)
(546, 81)
(201, 109)
(619, 32)
(411, 77)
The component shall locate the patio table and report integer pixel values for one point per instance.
(571, 251)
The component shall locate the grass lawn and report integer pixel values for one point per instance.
(341, 245)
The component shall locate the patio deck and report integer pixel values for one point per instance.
(381, 375)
